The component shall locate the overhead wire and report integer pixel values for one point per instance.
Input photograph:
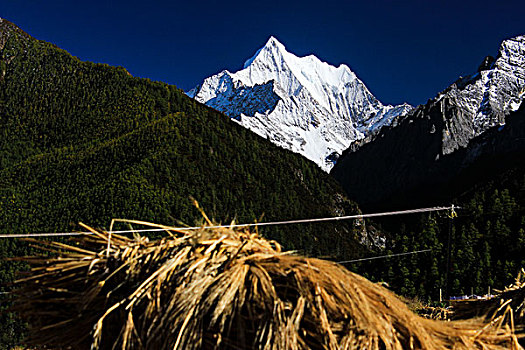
(255, 224)
(384, 256)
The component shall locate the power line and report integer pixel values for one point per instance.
(385, 256)
(272, 223)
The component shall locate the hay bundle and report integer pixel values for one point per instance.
(507, 304)
(220, 289)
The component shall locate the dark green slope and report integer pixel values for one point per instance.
(487, 241)
(486, 178)
(84, 141)
(88, 142)
(150, 173)
(49, 99)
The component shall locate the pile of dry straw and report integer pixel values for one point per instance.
(509, 305)
(220, 288)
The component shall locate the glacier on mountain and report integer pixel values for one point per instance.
(299, 103)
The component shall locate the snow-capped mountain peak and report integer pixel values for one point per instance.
(486, 97)
(272, 47)
(300, 103)
(273, 61)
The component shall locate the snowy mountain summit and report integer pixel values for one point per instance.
(484, 99)
(299, 103)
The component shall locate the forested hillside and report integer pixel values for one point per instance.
(487, 239)
(486, 179)
(88, 142)
(84, 141)
(487, 243)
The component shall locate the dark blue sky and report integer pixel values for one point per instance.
(402, 50)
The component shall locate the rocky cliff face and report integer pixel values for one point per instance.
(299, 103)
(484, 99)
(436, 142)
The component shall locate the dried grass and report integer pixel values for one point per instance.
(220, 288)
(508, 305)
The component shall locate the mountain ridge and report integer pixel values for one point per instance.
(434, 141)
(309, 106)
